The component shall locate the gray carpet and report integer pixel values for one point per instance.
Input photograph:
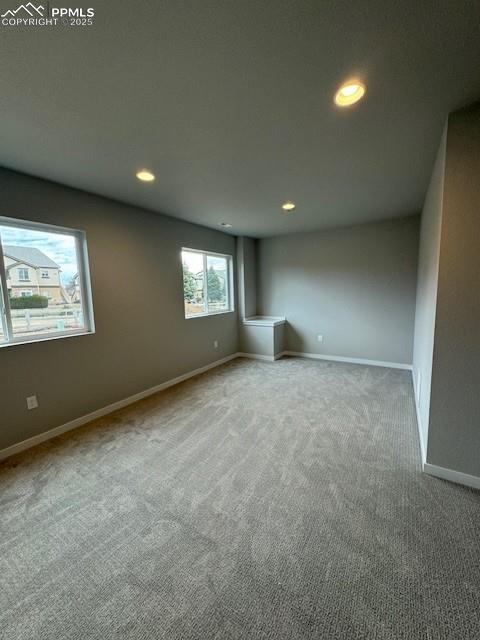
(260, 500)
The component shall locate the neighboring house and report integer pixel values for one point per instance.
(30, 272)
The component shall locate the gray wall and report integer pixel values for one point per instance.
(454, 433)
(142, 337)
(356, 286)
(427, 291)
(249, 338)
(247, 279)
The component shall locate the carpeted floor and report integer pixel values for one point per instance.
(260, 500)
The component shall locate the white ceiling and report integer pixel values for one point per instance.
(230, 104)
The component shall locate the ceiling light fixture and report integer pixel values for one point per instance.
(145, 175)
(350, 93)
(288, 206)
(225, 225)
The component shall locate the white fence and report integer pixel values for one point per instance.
(51, 319)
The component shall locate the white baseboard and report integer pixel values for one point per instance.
(453, 476)
(423, 450)
(260, 356)
(374, 363)
(99, 413)
(256, 356)
(317, 356)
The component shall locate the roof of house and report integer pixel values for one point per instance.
(31, 256)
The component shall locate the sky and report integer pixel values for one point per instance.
(60, 248)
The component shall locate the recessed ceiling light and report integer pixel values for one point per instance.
(349, 93)
(145, 175)
(225, 225)
(288, 206)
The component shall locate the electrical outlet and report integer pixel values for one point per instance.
(215, 344)
(32, 402)
(319, 338)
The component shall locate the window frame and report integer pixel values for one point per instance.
(230, 281)
(8, 339)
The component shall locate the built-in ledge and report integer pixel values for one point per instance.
(264, 321)
(263, 336)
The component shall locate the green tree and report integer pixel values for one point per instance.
(216, 288)
(189, 284)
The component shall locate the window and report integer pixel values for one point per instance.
(31, 251)
(23, 274)
(207, 283)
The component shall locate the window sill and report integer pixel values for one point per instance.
(20, 341)
(205, 315)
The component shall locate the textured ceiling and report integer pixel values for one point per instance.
(230, 104)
